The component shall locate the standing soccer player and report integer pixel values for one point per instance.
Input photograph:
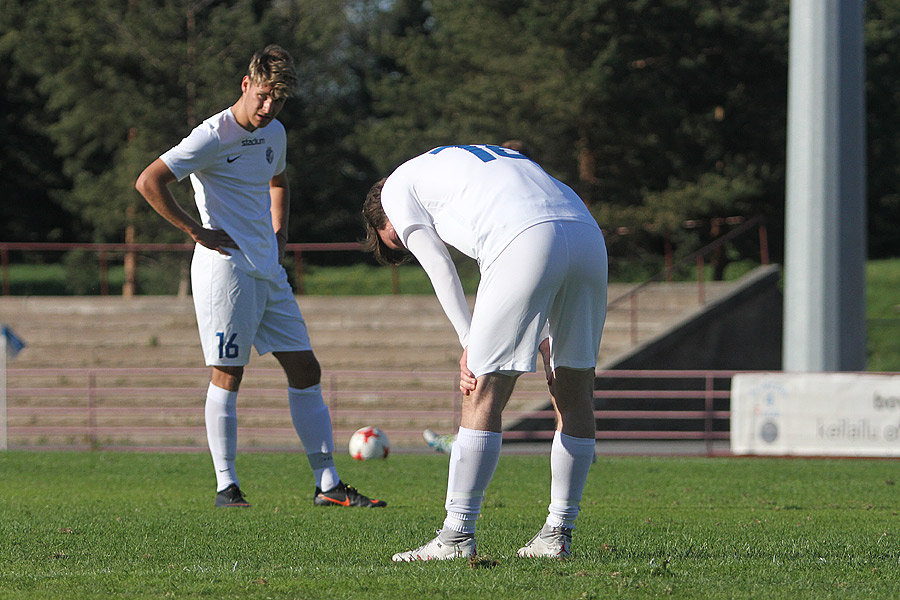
(543, 268)
(236, 161)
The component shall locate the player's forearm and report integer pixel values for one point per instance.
(153, 185)
(280, 195)
(280, 211)
(164, 203)
(435, 259)
(449, 292)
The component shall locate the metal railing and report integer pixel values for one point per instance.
(629, 301)
(105, 252)
(161, 409)
(699, 259)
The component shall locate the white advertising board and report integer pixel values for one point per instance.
(815, 414)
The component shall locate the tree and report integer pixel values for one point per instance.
(125, 81)
(639, 105)
(31, 181)
(121, 81)
(329, 175)
(883, 125)
(655, 111)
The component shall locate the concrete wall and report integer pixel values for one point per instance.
(741, 331)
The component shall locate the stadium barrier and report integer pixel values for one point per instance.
(699, 259)
(161, 409)
(106, 252)
(816, 414)
(630, 299)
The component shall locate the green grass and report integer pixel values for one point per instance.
(82, 276)
(368, 280)
(883, 314)
(356, 280)
(122, 525)
(27, 280)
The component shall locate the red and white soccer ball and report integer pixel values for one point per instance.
(369, 442)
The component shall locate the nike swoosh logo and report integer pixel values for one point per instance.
(344, 502)
(231, 160)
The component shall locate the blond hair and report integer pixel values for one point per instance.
(273, 66)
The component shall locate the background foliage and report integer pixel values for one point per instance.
(656, 112)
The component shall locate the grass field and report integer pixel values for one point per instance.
(120, 525)
(883, 314)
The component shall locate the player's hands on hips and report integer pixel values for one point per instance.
(544, 347)
(467, 379)
(214, 239)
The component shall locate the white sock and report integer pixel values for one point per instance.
(473, 460)
(570, 460)
(221, 433)
(312, 421)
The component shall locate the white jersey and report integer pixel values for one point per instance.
(477, 198)
(230, 170)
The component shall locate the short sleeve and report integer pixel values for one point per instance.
(194, 153)
(281, 160)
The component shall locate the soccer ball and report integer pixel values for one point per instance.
(369, 442)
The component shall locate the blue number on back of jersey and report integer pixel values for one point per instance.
(485, 152)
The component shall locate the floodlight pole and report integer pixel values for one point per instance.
(825, 228)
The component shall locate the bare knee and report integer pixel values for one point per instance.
(573, 381)
(227, 378)
(301, 368)
(483, 408)
(573, 398)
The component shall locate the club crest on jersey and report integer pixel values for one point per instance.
(270, 154)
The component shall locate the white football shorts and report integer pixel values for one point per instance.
(556, 272)
(236, 311)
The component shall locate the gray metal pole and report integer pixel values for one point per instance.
(825, 230)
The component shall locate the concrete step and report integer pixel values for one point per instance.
(361, 340)
(402, 332)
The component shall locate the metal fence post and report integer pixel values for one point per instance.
(104, 278)
(4, 261)
(763, 244)
(395, 280)
(708, 420)
(633, 302)
(701, 291)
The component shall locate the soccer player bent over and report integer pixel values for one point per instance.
(543, 269)
(236, 161)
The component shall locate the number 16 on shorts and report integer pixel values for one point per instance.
(227, 348)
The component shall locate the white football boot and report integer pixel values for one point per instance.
(438, 550)
(550, 542)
